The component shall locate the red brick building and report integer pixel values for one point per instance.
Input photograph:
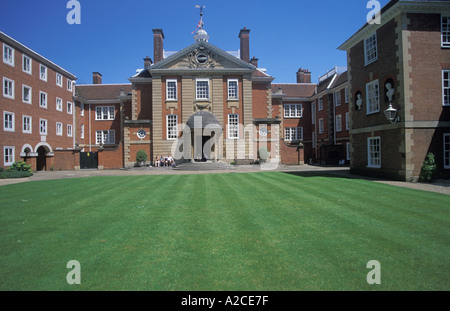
(401, 65)
(36, 108)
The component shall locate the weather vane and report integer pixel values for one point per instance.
(200, 23)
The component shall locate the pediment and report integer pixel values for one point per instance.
(202, 55)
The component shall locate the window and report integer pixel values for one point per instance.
(8, 155)
(370, 49)
(104, 112)
(82, 131)
(8, 55)
(233, 91)
(69, 85)
(8, 121)
(446, 87)
(59, 79)
(313, 112)
(320, 104)
(374, 152)
(26, 64)
(293, 111)
(347, 121)
(346, 95)
(373, 97)
(59, 104)
(233, 126)
(26, 94)
(171, 89)
(321, 126)
(202, 89)
(26, 124)
(43, 72)
(42, 127)
(314, 140)
(447, 151)
(42, 99)
(172, 126)
(337, 97)
(59, 128)
(339, 123)
(81, 109)
(8, 88)
(70, 108)
(293, 133)
(106, 137)
(348, 151)
(69, 130)
(445, 31)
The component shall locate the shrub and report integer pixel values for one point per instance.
(429, 168)
(20, 167)
(141, 156)
(15, 174)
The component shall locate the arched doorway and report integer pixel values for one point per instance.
(205, 132)
(41, 163)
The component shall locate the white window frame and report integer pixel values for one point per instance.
(8, 156)
(43, 127)
(233, 126)
(105, 113)
(445, 88)
(27, 120)
(9, 125)
(69, 107)
(373, 155)
(69, 130)
(339, 123)
(8, 58)
(8, 91)
(320, 104)
(337, 98)
(314, 139)
(293, 133)
(348, 151)
(106, 137)
(321, 126)
(82, 109)
(82, 131)
(346, 95)
(372, 99)
(233, 91)
(313, 112)
(59, 104)
(43, 75)
(27, 64)
(172, 127)
(171, 91)
(347, 121)
(371, 49)
(197, 90)
(59, 79)
(292, 111)
(59, 129)
(446, 149)
(69, 85)
(43, 104)
(29, 101)
(445, 31)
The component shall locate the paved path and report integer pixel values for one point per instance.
(440, 187)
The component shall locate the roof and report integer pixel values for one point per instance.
(295, 89)
(101, 91)
(29, 52)
(332, 82)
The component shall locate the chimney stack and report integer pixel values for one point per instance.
(96, 78)
(158, 49)
(254, 62)
(245, 44)
(303, 76)
(147, 62)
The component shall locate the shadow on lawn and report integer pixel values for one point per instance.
(330, 173)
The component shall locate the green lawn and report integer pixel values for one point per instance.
(248, 231)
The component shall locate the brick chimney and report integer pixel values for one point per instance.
(158, 49)
(96, 78)
(245, 44)
(147, 62)
(254, 62)
(303, 76)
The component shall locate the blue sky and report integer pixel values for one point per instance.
(114, 36)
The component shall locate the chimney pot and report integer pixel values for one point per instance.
(158, 48)
(96, 78)
(245, 45)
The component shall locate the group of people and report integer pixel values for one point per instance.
(166, 161)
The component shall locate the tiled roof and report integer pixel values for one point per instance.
(295, 90)
(101, 91)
